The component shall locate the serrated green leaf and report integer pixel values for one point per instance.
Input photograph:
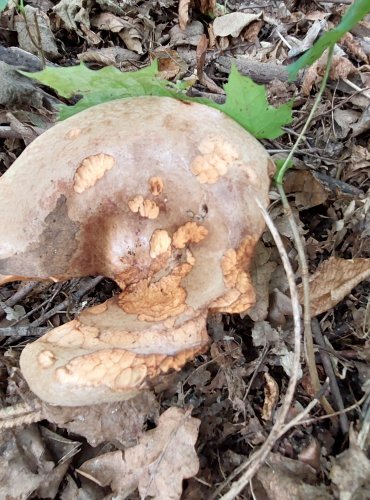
(106, 84)
(354, 14)
(246, 102)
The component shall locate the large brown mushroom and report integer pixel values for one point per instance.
(156, 194)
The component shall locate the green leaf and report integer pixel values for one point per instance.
(354, 14)
(3, 5)
(246, 102)
(104, 85)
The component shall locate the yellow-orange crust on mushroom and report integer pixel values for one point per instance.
(146, 208)
(159, 300)
(235, 264)
(215, 158)
(191, 232)
(156, 185)
(91, 170)
(160, 242)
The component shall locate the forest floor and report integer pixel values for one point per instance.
(189, 437)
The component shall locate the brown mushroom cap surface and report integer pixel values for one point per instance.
(156, 194)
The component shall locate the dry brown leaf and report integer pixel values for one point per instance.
(344, 120)
(333, 280)
(351, 472)
(183, 13)
(302, 45)
(73, 13)
(108, 56)
(341, 67)
(354, 48)
(207, 6)
(252, 32)
(27, 468)
(189, 36)
(201, 59)
(262, 268)
(121, 422)
(271, 391)
(109, 22)
(308, 191)
(284, 478)
(132, 39)
(170, 64)
(35, 25)
(360, 157)
(233, 24)
(157, 465)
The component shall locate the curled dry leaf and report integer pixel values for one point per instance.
(271, 391)
(35, 25)
(73, 13)
(203, 78)
(183, 13)
(170, 64)
(110, 22)
(32, 470)
(121, 422)
(207, 7)
(262, 268)
(284, 478)
(333, 280)
(308, 40)
(341, 67)
(308, 191)
(233, 24)
(157, 465)
(189, 36)
(351, 473)
(108, 56)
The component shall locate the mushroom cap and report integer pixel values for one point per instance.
(155, 193)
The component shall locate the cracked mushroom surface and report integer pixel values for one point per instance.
(164, 205)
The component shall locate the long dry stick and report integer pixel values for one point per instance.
(309, 348)
(258, 458)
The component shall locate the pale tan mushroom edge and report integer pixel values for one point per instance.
(156, 194)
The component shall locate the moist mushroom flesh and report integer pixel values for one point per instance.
(156, 194)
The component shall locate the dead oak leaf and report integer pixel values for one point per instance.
(340, 68)
(157, 465)
(333, 280)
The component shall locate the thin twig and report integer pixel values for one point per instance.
(327, 364)
(83, 289)
(29, 418)
(286, 165)
(47, 301)
(258, 458)
(23, 331)
(309, 349)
